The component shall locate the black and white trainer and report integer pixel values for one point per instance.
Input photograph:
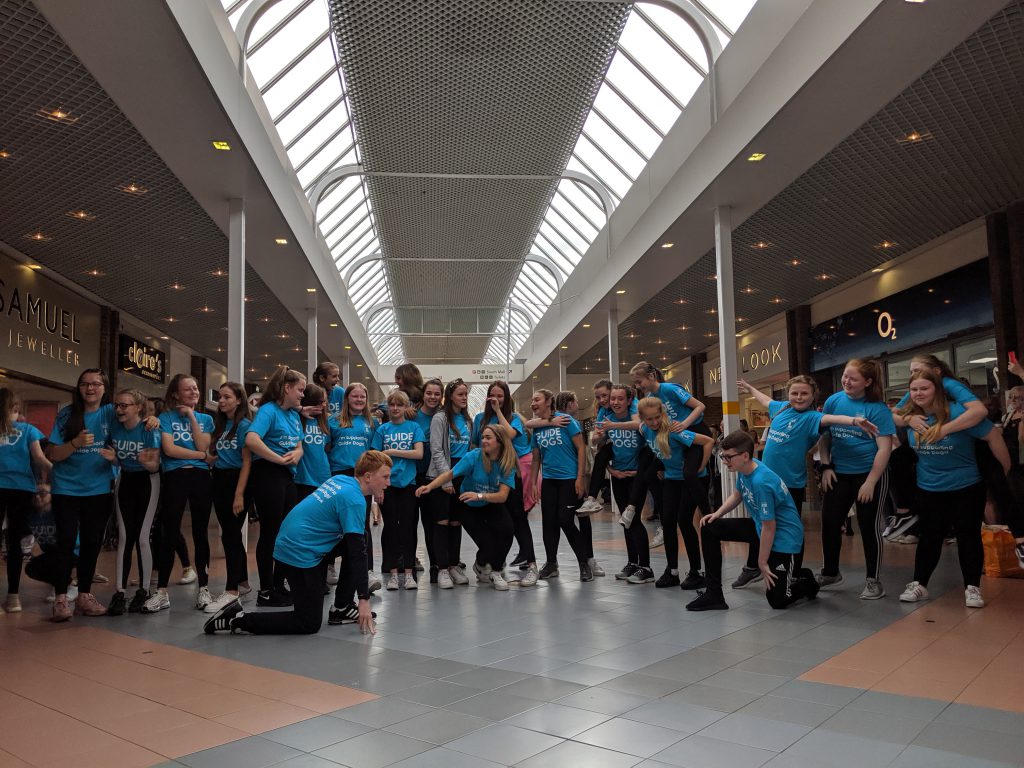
(221, 620)
(347, 615)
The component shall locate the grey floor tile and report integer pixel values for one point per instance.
(381, 712)
(441, 757)
(558, 720)
(528, 664)
(251, 752)
(923, 757)
(438, 693)
(677, 715)
(793, 711)
(568, 652)
(786, 652)
(840, 750)
(438, 668)
(383, 682)
(651, 764)
(757, 732)
(373, 750)
(835, 695)
(881, 726)
(701, 752)
(630, 736)
(767, 666)
(983, 719)
(604, 700)
(909, 706)
(439, 726)
(972, 742)
(736, 679)
(584, 674)
(494, 705)
(485, 678)
(307, 761)
(644, 685)
(504, 744)
(542, 688)
(712, 697)
(316, 733)
(571, 753)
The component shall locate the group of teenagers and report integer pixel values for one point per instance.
(323, 466)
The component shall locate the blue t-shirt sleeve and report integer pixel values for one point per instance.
(377, 443)
(903, 400)
(774, 407)
(508, 479)
(829, 405)
(517, 424)
(956, 391)
(165, 423)
(57, 433)
(881, 417)
(417, 434)
(262, 423)
(32, 434)
(150, 438)
(205, 421)
(573, 427)
(684, 438)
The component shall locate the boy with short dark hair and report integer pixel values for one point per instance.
(774, 525)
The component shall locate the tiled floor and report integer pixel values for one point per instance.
(567, 674)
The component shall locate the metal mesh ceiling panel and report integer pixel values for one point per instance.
(876, 186)
(140, 245)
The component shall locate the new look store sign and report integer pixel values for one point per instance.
(757, 360)
(46, 331)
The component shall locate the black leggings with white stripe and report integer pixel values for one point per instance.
(136, 497)
(870, 518)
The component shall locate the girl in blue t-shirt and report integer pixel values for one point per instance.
(232, 463)
(670, 444)
(500, 410)
(19, 453)
(855, 469)
(327, 376)
(275, 439)
(403, 441)
(185, 437)
(136, 495)
(558, 451)
(314, 468)
(950, 490)
(433, 394)
(450, 430)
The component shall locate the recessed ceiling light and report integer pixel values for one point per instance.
(176, 286)
(710, 335)
(823, 277)
(586, 325)
(265, 355)
(264, 319)
(682, 301)
(347, 347)
(81, 215)
(219, 349)
(712, 311)
(133, 189)
(38, 237)
(886, 245)
(333, 325)
(740, 319)
(621, 291)
(547, 365)
(794, 262)
(206, 310)
(776, 300)
(165, 338)
(249, 299)
(359, 365)
(223, 146)
(712, 277)
(564, 346)
(748, 290)
(947, 301)
(283, 336)
(35, 267)
(311, 290)
(94, 273)
(761, 245)
(756, 157)
(682, 327)
(171, 319)
(58, 115)
(667, 245)
(4, 154)
(219, 273)
(876, 270)
(655, 320)
(281, 241)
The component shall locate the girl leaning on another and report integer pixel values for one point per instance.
(449, 441)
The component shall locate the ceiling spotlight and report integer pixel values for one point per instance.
(776, 300)
(81, 215)
(176, 286)
(38, 237)
(223, 146)
(219, 273)
(547, 365)
(667, 245)
(94, 273)
(748, 290)
(281, 241)
(35, 267)
(133, 189)
(682, 301)
(58, 115)
(333, 325)
(4, 154)
(347, 347)
(171, 319)
(761, 245)
(564, 347)
(794, 262)
(311, 290)
(621, 291)
(586, 325)
(823, 277)
(876, 270)
(886, 245)
(756, 157)
(206, 309)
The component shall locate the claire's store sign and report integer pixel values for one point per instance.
(46, 330)
(767, 357)
(142, 360)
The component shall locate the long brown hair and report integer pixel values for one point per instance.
(507, 459)
(449, 406)
(563, 398)
(871, 370)
(412, 381)
(76, 416)
(242, 411)
(8, 400)
(506, 404)
(315, 395)
(664, 424)
(282, 377)
(940, 404)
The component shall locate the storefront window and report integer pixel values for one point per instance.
(976, 362)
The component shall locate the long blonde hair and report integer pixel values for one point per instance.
(940, 404)
(664, 424)
(507, 459)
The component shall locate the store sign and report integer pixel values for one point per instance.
(142, 360)
(470, 374)
(759, 360)
(46, 330)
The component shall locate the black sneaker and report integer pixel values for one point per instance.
(693, 580)
(626, 572)
(141, 596)
(585, 573)
(118, 605)
(667, 579)
(272, 598)
(221, 620)
(549, 571)
(708, 600)
(433, 574)
(747, 576)
(900, 525)
(518, 562)
(641, 575)
(347, 615)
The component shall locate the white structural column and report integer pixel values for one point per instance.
(562, 379)
(613, 341)
(345, 367)
(726, 318)
(236, 290)
(312, 345)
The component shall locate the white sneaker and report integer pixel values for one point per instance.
(374, 581)
(332, 575)
(973, 597)
(483, 575)
(444, 580)
(158, 601)
(392, 584)
(223, 601)
(204, 598)
(659, 538)
(915, 591)
(595, 569)
(410, 582)
(590, 506)
(188, 576)
(498, 581)
(873, 590)
(904, 538)
(459, 577)
(530, 576)
(626, 519)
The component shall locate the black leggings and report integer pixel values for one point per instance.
(273, 488)
(902, 464)
(739, 529)
(399, 537)
(225, 481)
(602, 459)
(870, 519)
(491, 528)
(136, 497)
(558, 504)
(425, 515)
(520, 522)
(678, 512)
(16, 507)
(447, 513)
(81, 518)
(798, 499)
(307, 614)
(646, 479)
(964, 510)
(181, 487)
(638, 546)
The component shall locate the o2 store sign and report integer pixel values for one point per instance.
(767, 357)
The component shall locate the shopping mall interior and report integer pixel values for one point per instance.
(546, 193)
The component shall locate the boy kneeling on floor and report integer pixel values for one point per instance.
(307, 542)
(773, 519)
